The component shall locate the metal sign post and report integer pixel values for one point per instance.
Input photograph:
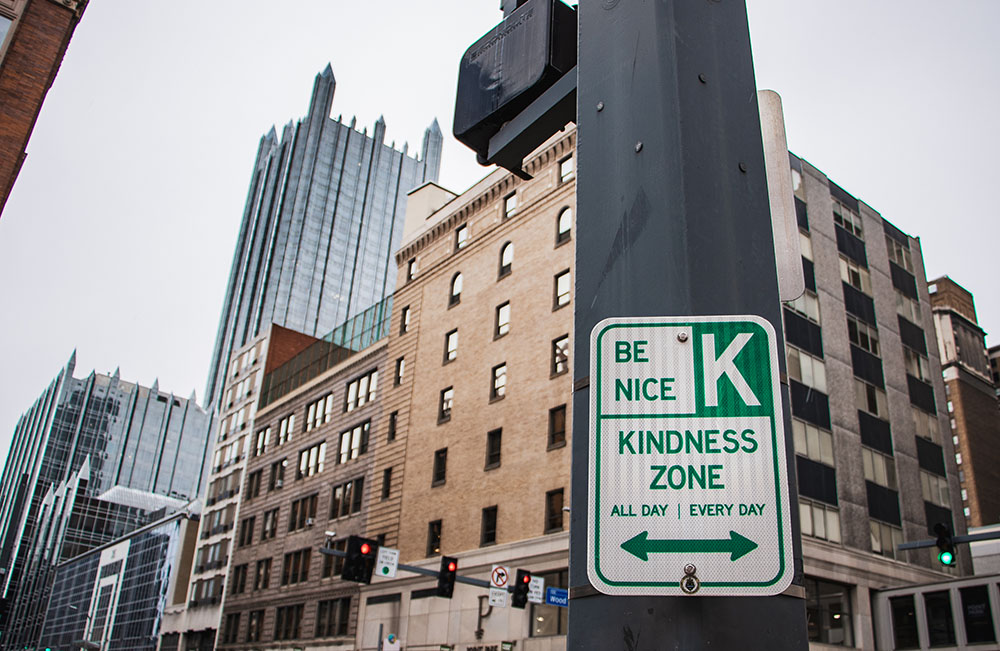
(673, 221)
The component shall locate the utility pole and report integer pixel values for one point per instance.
(672, 220)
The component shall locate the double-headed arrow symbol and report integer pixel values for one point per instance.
(736, 546)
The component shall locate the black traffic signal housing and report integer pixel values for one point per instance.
(360, 561)
(945, 545)
(446, 576)
(521, 585)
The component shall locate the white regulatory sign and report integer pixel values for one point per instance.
(536, 590)
(387, 562)
(498, 597)
(688, 483)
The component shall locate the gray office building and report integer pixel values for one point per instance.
(83, 445)
(323, 215)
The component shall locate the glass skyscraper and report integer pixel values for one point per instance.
(92, 437)
(323, 216)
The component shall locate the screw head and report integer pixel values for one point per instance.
(638, 147)
(690, 569)
(600, 106)
(702, 78)
(743, 167)
(682, 337)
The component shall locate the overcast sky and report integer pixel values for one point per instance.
(119, 233)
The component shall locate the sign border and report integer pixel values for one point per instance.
(777, 427)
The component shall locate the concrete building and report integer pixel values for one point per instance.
(113, 596)
(33, 39)
(309, 482)
(973, 410)
(323, 216)
(87, 438)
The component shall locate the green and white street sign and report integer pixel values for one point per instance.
(688, 484)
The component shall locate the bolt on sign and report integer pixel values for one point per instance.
(688, 483)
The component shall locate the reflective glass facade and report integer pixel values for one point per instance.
(323, 216)
(85, 438)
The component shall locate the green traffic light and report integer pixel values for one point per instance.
(946, 558)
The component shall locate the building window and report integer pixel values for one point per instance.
(253, 483)
(885, 538)
(354, 442)
(554, 511)
(506, 259)
(916, 364)
(819, 520)
(977, 614)
(296, 567)
(277, 479)
(434, 538)
(503, 320)
(807, 305)
(319, 412)
(562, 289)
(286, 427)
(400, 368)
(863, 335)
(461, 237)
(261, 440)
(270, 525)
(346, 498)
(557, 426)
(455, 296)
(440, 469)
(360, 391)
(848, 219)
(493, 448)
(899, 253)
(499, 387)
(444, 408)
(391, 429)
(239, 579)
(386, 483)
(549, 620)
(907, 307)
(828, 612)
(564, 226)
(411, 269)
(488, 529)
(812, 442)
(879, 468)
(404, 320)
(334, 565)
(806, 245)
(311, 461)
(255, 623)
(332, 617)
(451, 346)
(855, 275)
(940, 624)
(287, 622)
(870, 398)
(246, 531)
(510, 205)
(560, 355)
(566, 169)
(935, 489)
(232, 629)
(262, 574)
(806, 369)
(303, 513)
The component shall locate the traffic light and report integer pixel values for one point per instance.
(446, 577)
(360, 560)
(521, 585)
(946, 548)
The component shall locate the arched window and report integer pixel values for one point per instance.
(506, 258)
(456, 290)
(564, 225)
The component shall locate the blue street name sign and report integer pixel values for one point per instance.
(557, 597)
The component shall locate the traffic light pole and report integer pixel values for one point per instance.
(672, 220)
(468, 580)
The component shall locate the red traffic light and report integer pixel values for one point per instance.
(365, 548)
(526, 578)
(452, 566)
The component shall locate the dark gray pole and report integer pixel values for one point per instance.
(672, 220)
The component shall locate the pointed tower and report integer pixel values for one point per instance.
(431, 154)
